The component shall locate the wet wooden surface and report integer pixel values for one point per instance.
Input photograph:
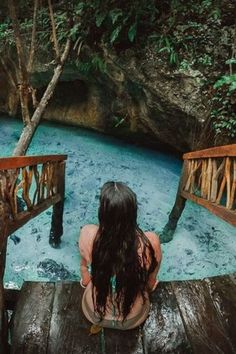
(163, 331)
(69, 331)
(32, 318)
(185, 317)
(203, 327)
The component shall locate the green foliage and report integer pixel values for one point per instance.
(115, 15)
(115, 21)
(170, 25)
(6, 37)
(115, 33)
(205, 60)
(229, 80)
(177, 30)
(223, 113)
(226, 126)
(132, 32)
(166, 44)
(90, 67)
(100, 18)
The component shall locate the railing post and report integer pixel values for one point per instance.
(3, 313)
(169, 229)
(57, 214)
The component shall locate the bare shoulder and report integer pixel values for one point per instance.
(152, 235)
(156, 244)
(89, 228)
(87, 232)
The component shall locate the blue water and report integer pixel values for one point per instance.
(203, 245)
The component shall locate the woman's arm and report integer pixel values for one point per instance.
(84, 244)
(156, 245)
(85, 275)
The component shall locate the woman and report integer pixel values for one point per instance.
(124, 262)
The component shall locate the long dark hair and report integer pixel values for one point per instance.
(115, 251)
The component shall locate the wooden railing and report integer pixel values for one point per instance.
(209, 179)
(28, 186)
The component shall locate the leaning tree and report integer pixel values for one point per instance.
(32, 109)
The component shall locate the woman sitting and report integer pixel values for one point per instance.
(124, 262)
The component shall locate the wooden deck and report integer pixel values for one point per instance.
(186, 317)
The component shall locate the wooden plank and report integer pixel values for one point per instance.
(7, 163)
(218, 151)
(120, 342)
(31, 322)
(223, 293)
(69, 332)
(203, 327)
(163, 331)
(219, 210)
(25, 216)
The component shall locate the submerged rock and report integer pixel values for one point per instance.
(52, 270)
(15, 239)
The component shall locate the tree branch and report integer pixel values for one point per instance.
(54, 33)
(28, 131)
(23, 74)
(32, 45)
(8, 73)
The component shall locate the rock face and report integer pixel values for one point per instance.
(138, 99)
(166, 105)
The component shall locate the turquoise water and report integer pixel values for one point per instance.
(203, 245)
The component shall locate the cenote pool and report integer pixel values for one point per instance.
(203, 245)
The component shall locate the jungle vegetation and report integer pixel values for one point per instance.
(175, 28)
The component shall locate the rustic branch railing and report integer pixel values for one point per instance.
(28, 186)
(209, 179)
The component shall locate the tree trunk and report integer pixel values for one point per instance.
(23, 85)
(28, 131)
(32, 45)
(8, 73)
(54, 34)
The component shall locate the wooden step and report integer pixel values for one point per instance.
(185, 317)
(49, 320)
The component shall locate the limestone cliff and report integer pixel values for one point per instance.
(139, 96)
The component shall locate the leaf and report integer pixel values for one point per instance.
(132, 32)
(94, 329)
(115, 34)
(119, 123)
(222, 81)
(79, 7)
(232, 87)
(74, 32)
(231, 61)
(167, 42)
(173, 58)
(115, 14)
(100, 18)
(164, 49)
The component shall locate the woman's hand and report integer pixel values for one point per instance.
(152, 284)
